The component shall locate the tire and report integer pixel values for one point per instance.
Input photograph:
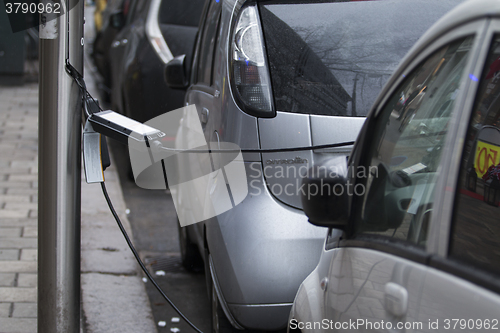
(190, 256)
(220, 323)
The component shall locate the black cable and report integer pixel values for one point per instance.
(136, 255)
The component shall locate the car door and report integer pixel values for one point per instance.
(461, 290)
(204, 93)
(378, 271)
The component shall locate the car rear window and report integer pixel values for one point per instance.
(333, 58)
(181, 12)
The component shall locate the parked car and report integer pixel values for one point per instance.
(155, 32)
(112, 18)
(280, 74)
(415, 246)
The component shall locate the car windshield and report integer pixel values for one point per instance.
(333, 58)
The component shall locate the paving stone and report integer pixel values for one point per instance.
(7, 279)
(18, 325)
(19, 243)
(30, 232)
(24, 164)
(27, 280)
(24, 310)
(15, 198)
(22, 190)
(16, 294)
(22, 177)
(9, 232)
(8, 254)
(33, 213)
(29, 254)
(8, 222)
(18, 267)
(5, 310)
(9, 184)
(13, 213)
(21, 206)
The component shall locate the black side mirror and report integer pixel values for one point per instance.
(175, 73)
(117, 20)
(325, 195)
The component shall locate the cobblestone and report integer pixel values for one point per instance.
(5, 309)
(10, 232)
(14, 294)
(9, 254)
(30, 232)
(8, 266)
(27, 280)
(24, 310)
(29, 255)
(7, 279)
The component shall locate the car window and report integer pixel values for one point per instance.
(333, 57)
(396, 189)
(475, 237)
(208, 41)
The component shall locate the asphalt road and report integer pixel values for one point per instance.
(154, 224)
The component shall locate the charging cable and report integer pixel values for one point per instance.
(136, 255)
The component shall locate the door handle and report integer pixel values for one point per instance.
(396, 299)
(204, 115)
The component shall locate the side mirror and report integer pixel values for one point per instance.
(325, 195)
(175, 73)
(117, 20)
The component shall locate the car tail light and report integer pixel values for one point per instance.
(154, 33)
(249, 65)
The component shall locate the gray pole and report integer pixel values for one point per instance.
(59, 174)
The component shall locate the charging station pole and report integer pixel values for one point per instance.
(59, 168)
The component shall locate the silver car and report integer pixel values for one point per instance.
(272, 75)
(417, 246)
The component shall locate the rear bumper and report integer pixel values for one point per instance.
(261, 316)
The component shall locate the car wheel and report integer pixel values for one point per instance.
(190, 256)
(220, 324)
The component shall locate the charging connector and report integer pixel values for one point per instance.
(122, 128)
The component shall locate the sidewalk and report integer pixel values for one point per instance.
(113, 293)
(18, 208)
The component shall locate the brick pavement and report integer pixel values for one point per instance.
(113, 295)
(18, 208)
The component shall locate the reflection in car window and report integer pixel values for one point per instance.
(475, 235)
(406, 151)
(333, 58)
(208, 40)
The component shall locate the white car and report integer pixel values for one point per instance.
(414, 239)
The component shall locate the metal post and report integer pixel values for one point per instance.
(59, 174)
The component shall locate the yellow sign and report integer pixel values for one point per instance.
(486, 156)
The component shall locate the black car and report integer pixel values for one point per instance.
(114, 18)
(154, 33)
